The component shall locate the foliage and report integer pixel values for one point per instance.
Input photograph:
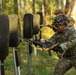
(9, 7)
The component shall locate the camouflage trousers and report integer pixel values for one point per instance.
(64, 65)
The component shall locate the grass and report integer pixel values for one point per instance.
(42, 65)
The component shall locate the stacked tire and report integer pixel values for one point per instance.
(4, 36)
(31, 24)
(14, 31)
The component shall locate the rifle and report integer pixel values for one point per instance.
(47, 47)
(44, 46)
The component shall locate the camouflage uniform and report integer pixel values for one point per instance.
(67, 41)
(71, 21)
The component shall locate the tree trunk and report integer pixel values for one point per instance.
(0, 6)
(69, 6)
(33, 8)
(15, 6)
(45, 7)
(73, 12)
(58, 4)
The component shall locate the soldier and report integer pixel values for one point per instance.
(65, 36)
(70, 19)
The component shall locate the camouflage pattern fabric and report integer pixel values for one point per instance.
(67, 41)
(64, 65)
(71, 21)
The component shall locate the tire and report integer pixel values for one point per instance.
(14, 32)
(28, 26)
(4, 36)
(41, 23)
(36, 24)
(41, 18)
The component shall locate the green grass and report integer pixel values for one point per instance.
(42, 65)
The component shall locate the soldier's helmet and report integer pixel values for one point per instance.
(60, 20)
(58, 11)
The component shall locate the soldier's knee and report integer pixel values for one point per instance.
(59, 71)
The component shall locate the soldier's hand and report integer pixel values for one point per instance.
(58, 49)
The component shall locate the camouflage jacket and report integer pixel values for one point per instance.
(66, 40)
(70, 21)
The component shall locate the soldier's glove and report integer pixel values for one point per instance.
(58, 49)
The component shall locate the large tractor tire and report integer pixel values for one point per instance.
(41, 24)
(36, 24)
(41, 18)
(4, 36)
(28, 26)
(14, 32)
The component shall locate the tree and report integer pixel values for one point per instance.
(2, 5)
(16, 6)
(33, 7)
(73, 12)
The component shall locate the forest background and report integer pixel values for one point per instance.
(44, 64)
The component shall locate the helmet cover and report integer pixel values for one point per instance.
(60, 20)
